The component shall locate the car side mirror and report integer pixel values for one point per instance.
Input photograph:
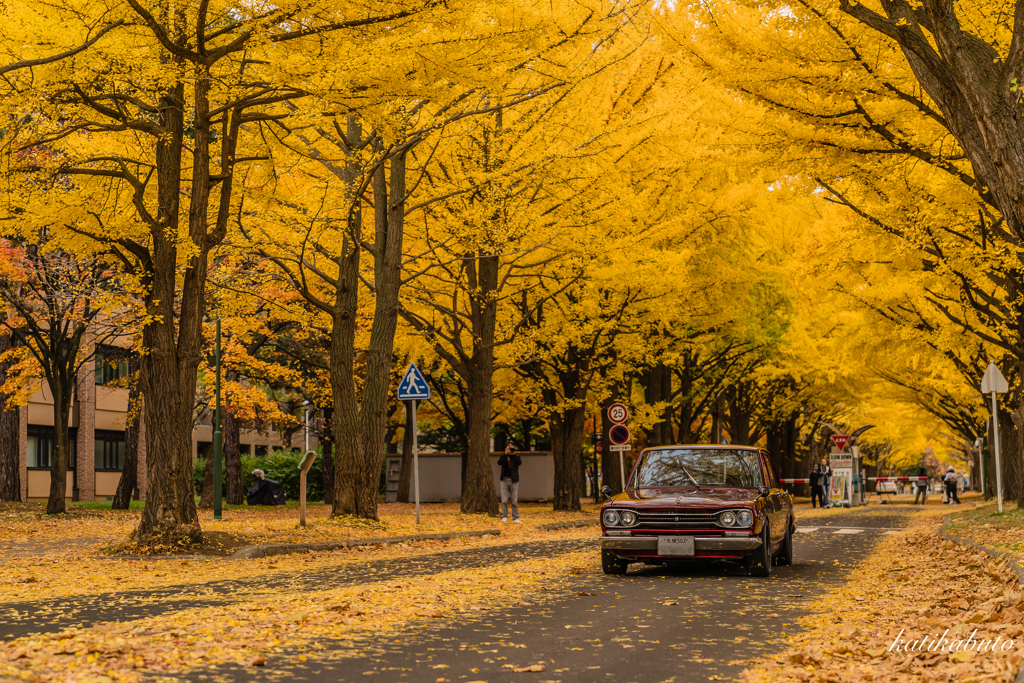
(763, 491)
(607, 492)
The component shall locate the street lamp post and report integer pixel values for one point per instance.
(218, 472)
(305, 404)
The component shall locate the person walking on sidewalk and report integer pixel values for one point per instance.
(951, 481)
(922, 487)
(826, 479)
(815, 481)
(509, 463)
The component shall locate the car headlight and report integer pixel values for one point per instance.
(744, 518)
(727, 518)
(611, 518)
(627, 518)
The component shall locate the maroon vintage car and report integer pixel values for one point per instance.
(685, 503)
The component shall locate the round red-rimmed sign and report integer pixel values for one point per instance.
(618, 413)
(619, 434)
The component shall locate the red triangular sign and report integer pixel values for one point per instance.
(840, 440)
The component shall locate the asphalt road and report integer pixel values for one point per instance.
(616, 628)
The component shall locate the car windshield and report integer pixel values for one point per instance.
(705, 467)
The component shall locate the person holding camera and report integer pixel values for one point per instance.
(509, 463)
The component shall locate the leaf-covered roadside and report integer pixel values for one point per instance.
(21, 524)
(252, 631)
(986, 526)
(919, 584)
(25, 579)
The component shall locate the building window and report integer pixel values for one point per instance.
(42, 444)
(111, 364)
(109, 451)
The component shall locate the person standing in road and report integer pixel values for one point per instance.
(815, 481)
(826, 479)
(509, 463)
(951, 481)
(922, 487)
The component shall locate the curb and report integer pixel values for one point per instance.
(1017, 568)
(998, 555)
(568, 525)
(267, 550)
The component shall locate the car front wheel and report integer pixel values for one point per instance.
(759, 562)
(785, 556)
(612, 563)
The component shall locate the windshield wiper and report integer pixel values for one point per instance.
(690, 476)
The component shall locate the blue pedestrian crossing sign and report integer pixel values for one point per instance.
(413, 386)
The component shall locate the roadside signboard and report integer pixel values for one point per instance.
(618, 413)
(619, 447)
(840, 440)
(842, 460)
(618, 435)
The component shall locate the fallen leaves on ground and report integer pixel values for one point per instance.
(919, 584)
(250, 632)
(29, 575)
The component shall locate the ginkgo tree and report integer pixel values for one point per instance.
(154, 125)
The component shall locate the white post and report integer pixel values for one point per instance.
(999, 469)
(622, 469)
(415, 462)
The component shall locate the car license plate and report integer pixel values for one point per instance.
(680, 546)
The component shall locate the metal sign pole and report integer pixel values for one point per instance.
(415, 461)
(218, 444)
(622, 469)
(999, 469)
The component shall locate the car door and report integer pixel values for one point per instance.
(778, 513)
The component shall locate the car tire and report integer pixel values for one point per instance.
(785, 556)
(612, 563)
(759, 562)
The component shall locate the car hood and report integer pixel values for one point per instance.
(685, 497)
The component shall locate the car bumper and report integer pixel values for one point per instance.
(647, 544)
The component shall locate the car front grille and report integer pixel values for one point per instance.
(676, 519)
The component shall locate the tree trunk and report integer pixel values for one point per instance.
(970, 82)
(10, 429)
(327, 449)
(479, 494)
(173, 352)
(61, 389)
(567, 446)
(233, 494)
(129, 475)
(206, 499)
(405, 478)
(526, 426)
(360, 424)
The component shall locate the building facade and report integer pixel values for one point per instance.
(97, 432)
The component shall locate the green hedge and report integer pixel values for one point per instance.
(282, 466)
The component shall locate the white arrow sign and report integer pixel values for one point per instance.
(993, 381)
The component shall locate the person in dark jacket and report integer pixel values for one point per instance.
(816, 491)
(509, 463)
(826, 479)
(922, 487)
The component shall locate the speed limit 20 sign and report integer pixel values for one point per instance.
(618, 413)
